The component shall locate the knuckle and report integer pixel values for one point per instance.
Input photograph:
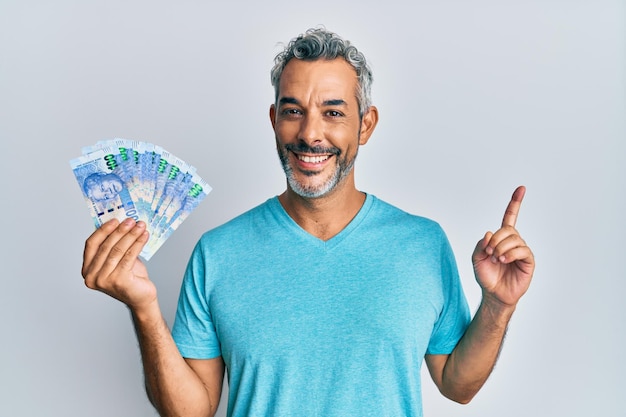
(118, 287)
(87, 272)
(91, 281)
(90, 284)
(90, 244)
(115, 254)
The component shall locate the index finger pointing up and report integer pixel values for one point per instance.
(510, 215)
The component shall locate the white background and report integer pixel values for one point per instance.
(474, 98)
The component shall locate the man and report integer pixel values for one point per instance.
(322, 301)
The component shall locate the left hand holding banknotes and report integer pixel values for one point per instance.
(122, 178)
(111, 264)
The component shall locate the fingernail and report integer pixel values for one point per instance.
(494, 260)
(489, 250)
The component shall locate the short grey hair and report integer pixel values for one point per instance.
(319, 43)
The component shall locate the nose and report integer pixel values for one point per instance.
(311, 129)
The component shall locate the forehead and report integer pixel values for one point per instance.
(324, 79)
(110, 177)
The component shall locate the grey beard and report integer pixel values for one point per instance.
(342, 170)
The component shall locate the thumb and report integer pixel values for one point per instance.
(479, 251)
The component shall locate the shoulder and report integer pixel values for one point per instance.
(390, 216)
(242, 225)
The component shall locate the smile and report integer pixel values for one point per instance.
(313, 159)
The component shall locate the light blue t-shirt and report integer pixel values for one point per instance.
(322, 328)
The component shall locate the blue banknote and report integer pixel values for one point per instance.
(193, 197)
(123, 178)
(103, 188)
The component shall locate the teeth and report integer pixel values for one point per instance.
(313, 159)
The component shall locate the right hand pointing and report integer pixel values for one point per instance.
(111, 264)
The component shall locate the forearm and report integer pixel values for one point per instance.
(172, 386)
(474, 357)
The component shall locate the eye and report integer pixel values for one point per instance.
(291, 112)
(334, 113)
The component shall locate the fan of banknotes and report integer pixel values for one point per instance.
(123, 178)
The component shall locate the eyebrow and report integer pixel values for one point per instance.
(332, 102)
(335, 102)
(288, 100)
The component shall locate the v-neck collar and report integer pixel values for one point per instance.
(286, 221)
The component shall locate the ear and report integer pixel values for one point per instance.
(368, 124)
(273, 116)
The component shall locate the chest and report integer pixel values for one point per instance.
(323, 303)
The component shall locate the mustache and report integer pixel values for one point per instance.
(304, 148)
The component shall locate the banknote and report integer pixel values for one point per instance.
(196, 193)
(122, 178)
(105, 192)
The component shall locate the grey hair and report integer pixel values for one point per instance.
(319, 43)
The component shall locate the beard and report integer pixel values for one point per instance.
(343, 166)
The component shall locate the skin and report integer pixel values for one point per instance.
(316, 107)
(503, 266)
(175, 386)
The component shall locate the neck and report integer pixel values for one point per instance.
(324, 217)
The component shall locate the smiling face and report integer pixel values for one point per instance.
(317, 125)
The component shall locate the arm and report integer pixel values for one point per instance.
(503, 266)
(460, 375)
(175, 386)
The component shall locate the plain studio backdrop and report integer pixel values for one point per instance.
(475, 98)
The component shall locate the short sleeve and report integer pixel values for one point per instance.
(193, 330)
(454, 317)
